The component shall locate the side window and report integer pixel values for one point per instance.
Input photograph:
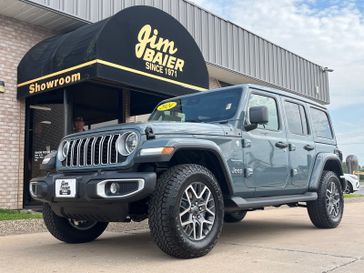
(321, 124)
(271, 104)
(296, 118)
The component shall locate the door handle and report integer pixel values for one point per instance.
(309, 147)
(281, 145)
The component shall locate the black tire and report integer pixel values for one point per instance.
(62, 229)
(235, 216)
(319, 210)
(165, 210)
(349, 188)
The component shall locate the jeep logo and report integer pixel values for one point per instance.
(237, 171)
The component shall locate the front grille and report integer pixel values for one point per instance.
(93, 151)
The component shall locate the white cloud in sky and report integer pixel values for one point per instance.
(331, 36)
(329, 33)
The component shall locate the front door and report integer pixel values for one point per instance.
(301, 144)
(266, 149)
(44, 132)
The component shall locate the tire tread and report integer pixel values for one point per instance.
(317, 209)
(162, 229)
(60, 228)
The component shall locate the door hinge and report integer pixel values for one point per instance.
(291, 147)
(246, 143)
(294, 172)
(248, 172)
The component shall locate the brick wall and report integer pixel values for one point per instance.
(16, 39)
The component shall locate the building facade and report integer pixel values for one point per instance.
(232, 54)
(18, 38)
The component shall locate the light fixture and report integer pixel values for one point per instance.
(326, 69)
(37, 107)
(47, 122)
(114, 188)
(2, 86)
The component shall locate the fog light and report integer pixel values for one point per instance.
(114, 188)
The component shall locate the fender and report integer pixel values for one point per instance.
(318, 169)
(185, 143)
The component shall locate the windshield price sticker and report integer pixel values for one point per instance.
(167, 106)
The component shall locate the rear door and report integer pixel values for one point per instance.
(301, 145)
(266, 156)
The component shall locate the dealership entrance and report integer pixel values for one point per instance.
(103, 74)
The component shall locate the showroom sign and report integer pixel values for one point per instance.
(140, 46)
(158, 52)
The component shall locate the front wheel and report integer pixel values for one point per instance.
(70, 230)
(327, 210)
(186, 211)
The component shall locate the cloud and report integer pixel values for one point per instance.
(329, 33)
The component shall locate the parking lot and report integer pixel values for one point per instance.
(275, 240)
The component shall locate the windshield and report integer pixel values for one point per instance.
(204, 107)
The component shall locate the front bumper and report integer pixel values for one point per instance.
(91, 187)
(92, 199)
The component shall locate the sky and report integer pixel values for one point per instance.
(327, 32)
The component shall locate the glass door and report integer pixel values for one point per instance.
(46, 129)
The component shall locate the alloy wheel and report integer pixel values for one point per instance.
(197, 211)
(333, 200)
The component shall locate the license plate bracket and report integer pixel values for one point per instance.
(66, 188)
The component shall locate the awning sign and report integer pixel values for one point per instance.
(140, 46)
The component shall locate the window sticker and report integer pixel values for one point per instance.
(167, 106)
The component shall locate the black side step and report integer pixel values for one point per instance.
(237, 202)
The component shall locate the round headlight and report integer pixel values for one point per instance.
(131, 142)
(63, 150)
(127, 143)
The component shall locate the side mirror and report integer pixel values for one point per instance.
(257, 115)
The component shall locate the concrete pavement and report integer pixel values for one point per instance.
(276, 240)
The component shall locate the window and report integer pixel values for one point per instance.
(321, 124)
(296, 118)
(271, 104)
(216, 106)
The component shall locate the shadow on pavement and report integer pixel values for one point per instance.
(139, 245)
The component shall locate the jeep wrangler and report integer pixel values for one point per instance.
(200, 160)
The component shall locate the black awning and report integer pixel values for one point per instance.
(140, 46)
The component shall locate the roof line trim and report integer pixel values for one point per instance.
(117, 66)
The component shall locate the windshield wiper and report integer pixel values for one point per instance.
(224, 121)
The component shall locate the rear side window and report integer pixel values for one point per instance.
(321, 123)
(271, 104)
(296, 118)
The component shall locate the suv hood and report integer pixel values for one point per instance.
(168, 128)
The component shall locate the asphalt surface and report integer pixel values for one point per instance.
(275, 240)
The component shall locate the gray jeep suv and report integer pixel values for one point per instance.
(200, 160)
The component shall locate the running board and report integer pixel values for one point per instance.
(237, 202)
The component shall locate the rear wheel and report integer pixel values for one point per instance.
(70, 230)
(235, 216)
(327, 210)
(186, 211)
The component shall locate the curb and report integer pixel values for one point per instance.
(16, 227)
